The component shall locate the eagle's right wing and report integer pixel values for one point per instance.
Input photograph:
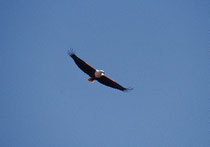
(84, 66)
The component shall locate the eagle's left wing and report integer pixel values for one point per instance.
(111, 83)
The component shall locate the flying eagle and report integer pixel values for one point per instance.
(95, 74)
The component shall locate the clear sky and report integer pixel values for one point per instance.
(160, 48)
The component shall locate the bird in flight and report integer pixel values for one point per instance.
(95, 74)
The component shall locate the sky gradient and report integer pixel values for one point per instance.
(160, 48)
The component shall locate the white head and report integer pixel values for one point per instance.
(99, 73)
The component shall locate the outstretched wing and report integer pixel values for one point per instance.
(84, 66)
(111, 83)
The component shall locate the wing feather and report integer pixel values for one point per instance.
(111, 83)
(84, 66)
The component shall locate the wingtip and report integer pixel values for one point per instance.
(127, 89)
(71, 52)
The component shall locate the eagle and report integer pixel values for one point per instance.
(95, 74)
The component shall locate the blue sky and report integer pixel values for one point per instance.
(160, 48)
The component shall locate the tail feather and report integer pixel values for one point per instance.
(91, 79)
